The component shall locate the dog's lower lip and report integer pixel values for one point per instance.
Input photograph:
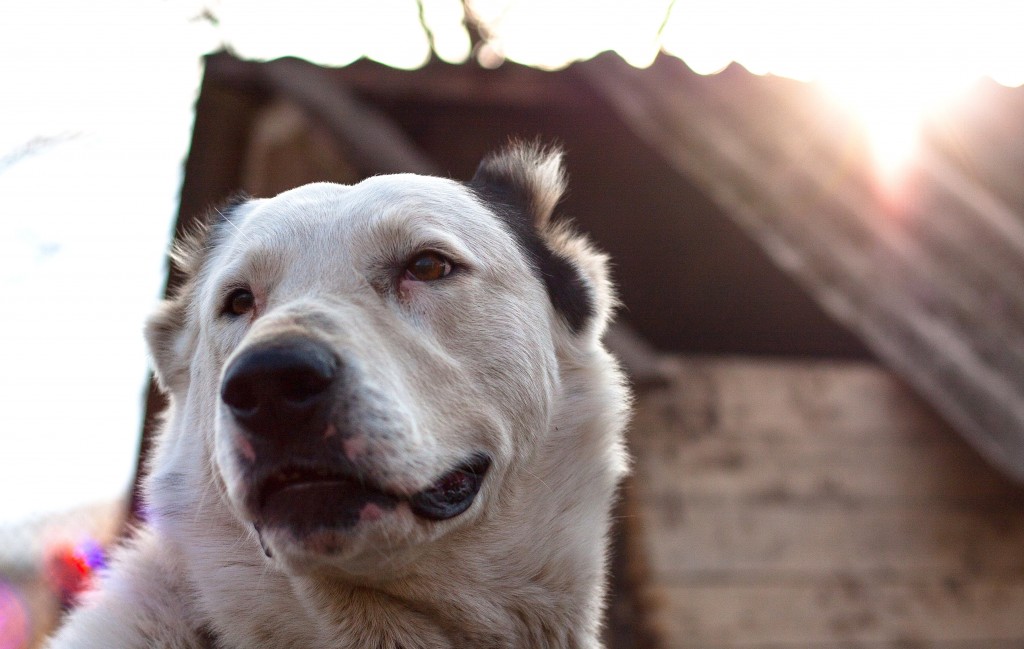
(306, 501)
(283, 481)
(453, 493)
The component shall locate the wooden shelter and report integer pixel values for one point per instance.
(818, 338)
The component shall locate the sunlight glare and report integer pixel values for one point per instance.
(890, 64)
(892, 107)
(326, 32)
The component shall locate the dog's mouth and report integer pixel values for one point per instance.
(310, 499)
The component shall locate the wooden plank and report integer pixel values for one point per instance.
(766, 431)
(791, 400)
(918, 291)
(707, 540)
(842, 611)
(726, 467)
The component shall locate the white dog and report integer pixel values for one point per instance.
(392, 425)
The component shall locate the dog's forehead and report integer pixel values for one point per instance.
(340, 208)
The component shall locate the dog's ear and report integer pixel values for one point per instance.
(168, 333)
(170, 343)
(523, 184)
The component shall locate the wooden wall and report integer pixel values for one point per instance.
(795, 505)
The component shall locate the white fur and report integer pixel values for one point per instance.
(484, 362)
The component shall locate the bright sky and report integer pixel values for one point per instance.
(105, 89)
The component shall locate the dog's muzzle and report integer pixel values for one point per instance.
(283, 395)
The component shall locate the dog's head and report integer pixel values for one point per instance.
(364, 365)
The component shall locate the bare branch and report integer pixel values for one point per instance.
(664, 21)
(426, 28)
(32, 147)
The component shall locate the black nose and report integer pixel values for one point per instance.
(281, 388)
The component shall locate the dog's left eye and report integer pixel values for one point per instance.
(428, 267)
(239, 302)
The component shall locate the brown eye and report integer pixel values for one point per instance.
(428, 267)
(240, 301)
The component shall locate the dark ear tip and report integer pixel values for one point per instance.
(521, 152)
(528, 176)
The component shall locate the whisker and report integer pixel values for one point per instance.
(537, 477)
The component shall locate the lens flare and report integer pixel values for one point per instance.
(71, 569)
(14, 619)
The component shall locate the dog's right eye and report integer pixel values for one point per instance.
(239, 302)
(428, 267)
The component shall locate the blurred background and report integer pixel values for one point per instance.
(817, 221)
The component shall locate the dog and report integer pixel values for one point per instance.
(392, 425)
